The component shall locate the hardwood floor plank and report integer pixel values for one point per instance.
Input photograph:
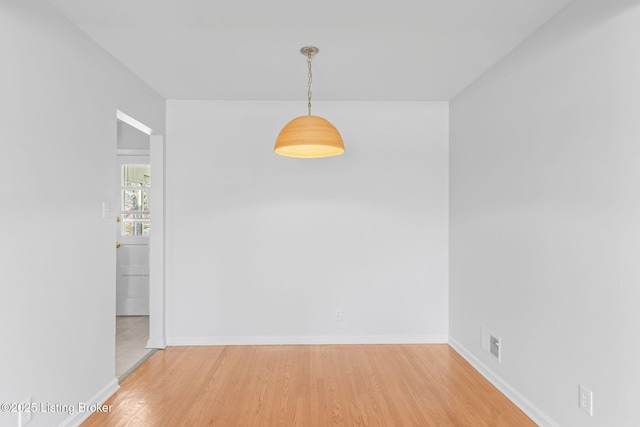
(308, 386)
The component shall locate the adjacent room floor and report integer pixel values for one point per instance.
(132, 334)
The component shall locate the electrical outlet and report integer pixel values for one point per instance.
(338, 314)
(24, 416)
(586, 400)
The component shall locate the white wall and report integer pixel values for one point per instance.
(545, 215)
(59, 95)
(130, 138)
(264, 248)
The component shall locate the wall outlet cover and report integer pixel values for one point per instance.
(490, 343)
(586, 400)
(24, 416)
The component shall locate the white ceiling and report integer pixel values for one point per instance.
(249, 49)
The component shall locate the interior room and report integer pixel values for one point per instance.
(487, 199)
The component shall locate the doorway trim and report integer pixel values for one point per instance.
(133, 122)
(157, 330)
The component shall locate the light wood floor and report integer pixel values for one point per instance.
(314, 385)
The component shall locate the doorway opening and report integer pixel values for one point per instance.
(133, 259)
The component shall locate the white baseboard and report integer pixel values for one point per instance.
(77, 418)
(512, 394)
(284, 340)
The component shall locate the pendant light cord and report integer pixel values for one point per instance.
(309, 81)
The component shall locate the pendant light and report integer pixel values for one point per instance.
(309, 136)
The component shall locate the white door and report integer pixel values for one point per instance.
(132, 260)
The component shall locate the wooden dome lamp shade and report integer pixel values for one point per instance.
(309, 136)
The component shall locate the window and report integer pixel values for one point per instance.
(134, 196)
